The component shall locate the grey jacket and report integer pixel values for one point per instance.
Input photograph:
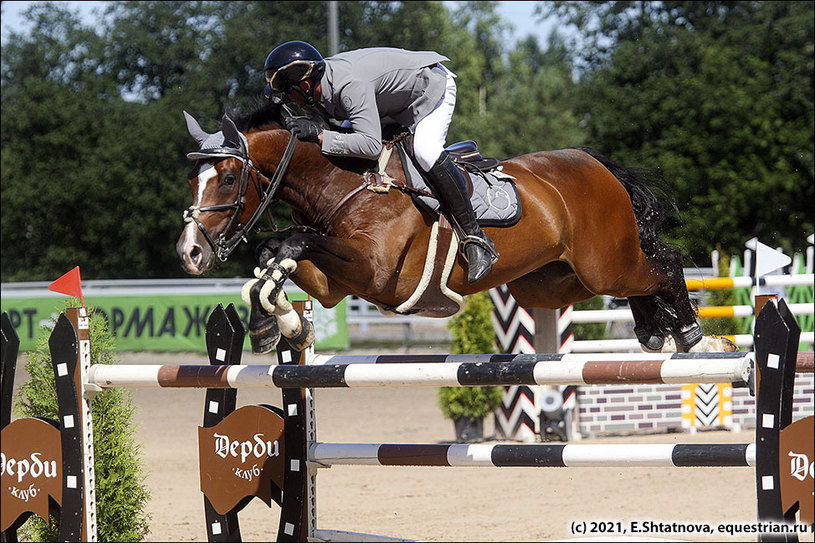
(367, 86)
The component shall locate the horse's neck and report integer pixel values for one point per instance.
(312, 185)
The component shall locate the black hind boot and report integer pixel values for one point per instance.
(449, 185)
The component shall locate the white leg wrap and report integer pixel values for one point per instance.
(288, 320)
(289, 323)
(289, 264)
(265, 294)
(714, 344)
(274, 281)
(247, 286)
(282, 304)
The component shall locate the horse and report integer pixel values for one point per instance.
(588, 227)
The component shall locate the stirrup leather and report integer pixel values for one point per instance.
(462, 246)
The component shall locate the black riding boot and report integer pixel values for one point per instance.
(449, 185)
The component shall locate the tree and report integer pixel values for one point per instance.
(533, 108)
(718, 96)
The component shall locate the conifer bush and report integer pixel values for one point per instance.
(472, 333)
(121, 492)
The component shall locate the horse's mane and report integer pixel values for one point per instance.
(264, 114)
(269, 113)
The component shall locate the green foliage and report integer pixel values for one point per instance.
(472, 329)
(722, 326)
(589, 330)
(469, 402)
(472, 333)
(716, 95)
(120, 490)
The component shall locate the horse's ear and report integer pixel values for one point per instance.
(232, 135)
(195, 129)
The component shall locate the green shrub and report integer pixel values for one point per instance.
(589, 330)
(120, 490)
(472, 333)
(724, 325)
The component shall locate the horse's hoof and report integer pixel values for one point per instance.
(653, 344)
(668, 346)
(305, 338)
(265, 338)
(714, 344)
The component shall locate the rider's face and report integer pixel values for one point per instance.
(296, 97)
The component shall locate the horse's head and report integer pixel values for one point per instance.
(219, 181)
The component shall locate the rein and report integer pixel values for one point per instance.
(223, 247)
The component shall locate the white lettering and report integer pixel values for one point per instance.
(257, 447)
(34, 468)
(221, 445)
(36, 465)
(800, 466)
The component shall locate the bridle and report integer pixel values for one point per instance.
(224, 246)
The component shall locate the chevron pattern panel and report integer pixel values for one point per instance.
(708, 405)
(564, 329)
(514, 328)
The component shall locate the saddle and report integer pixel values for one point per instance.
(495, 202)
(493, 194)
(466, 153)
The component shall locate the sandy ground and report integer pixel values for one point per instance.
(433, 503)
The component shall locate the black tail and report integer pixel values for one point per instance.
(653, 205)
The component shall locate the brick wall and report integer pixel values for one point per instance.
(648, 408)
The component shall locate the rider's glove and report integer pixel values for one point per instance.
(304, 129)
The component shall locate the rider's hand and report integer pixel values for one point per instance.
(304, 129)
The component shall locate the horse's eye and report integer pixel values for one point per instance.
(229, 179)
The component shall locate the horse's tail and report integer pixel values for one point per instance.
(650, 197)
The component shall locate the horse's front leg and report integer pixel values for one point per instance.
(271, 312)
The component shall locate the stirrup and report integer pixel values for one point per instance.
(462, 246)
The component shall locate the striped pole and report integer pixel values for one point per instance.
(725, 283)
(534, 455)
(618, 345)
(517, 370)
(709, 312)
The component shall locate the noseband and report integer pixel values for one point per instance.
(224, 246)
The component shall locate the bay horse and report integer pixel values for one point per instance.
(588, 227)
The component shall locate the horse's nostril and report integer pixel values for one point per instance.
(195, 255)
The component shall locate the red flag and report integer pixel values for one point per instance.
(70, 284)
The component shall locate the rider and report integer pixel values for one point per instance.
(365, 86)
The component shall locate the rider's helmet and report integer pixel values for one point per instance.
(289, 64)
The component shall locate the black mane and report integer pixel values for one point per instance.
(268, 113)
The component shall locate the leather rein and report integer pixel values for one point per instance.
(223, 247)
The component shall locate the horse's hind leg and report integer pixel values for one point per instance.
(649, 330)
(674, 312)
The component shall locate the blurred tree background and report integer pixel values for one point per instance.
(716, 96)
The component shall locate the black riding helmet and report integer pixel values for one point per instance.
(289, 64)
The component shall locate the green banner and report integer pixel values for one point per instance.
(161, 323)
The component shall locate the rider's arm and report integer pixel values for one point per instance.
(359, 103)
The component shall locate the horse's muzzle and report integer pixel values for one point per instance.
(195, 257)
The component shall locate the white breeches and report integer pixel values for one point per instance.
(431, 132)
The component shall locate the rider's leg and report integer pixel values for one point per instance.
(448, 183)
